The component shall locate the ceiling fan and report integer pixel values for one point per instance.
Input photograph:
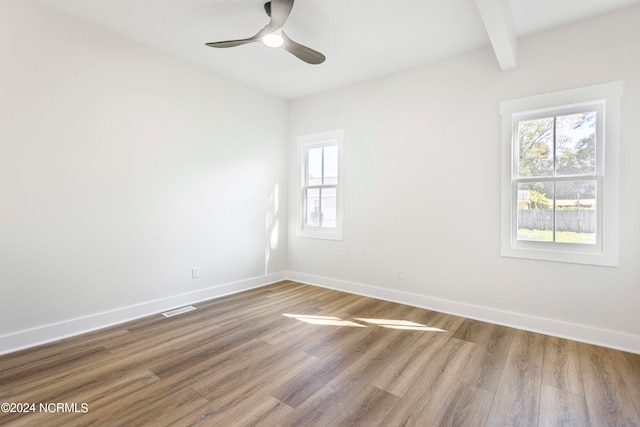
(273, 35)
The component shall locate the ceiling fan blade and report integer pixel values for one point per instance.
(232, 43)
(240, 42)
(280, 10)
(304, 53)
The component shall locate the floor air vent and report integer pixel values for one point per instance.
(178, 311)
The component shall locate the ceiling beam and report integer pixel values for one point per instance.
(498, 21)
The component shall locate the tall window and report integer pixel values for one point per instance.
(560, 191)
(321, 185)
(557, 174)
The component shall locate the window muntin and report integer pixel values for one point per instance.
(320, 191)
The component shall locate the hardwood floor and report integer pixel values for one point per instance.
(295, 355)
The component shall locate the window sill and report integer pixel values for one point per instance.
(557, 253)
(318, 233)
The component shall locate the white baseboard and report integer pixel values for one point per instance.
(588, 334)
(53, 332)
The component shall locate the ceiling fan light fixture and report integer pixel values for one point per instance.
(273, 39)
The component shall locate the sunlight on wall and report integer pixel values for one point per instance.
(271, 226)
(274, 236)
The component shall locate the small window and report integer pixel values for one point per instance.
(321, 182)
(560, 196)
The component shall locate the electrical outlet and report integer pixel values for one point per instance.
(399, 274)
(195, 272)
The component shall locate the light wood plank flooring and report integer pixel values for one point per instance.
(295, 355)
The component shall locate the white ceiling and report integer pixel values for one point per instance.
(362, 39)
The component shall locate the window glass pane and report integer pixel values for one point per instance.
(576, 212)
(314, 171)
(312, 207)
(535, 140)
(535, 211)
(331, 165)
(329, 207)
(576, 144)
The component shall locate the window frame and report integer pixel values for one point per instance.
(606, 97)
(305, 143)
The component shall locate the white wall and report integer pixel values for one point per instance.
(422, 187)
(120, 170)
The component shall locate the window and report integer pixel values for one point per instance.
(321, 185)
(560, 176)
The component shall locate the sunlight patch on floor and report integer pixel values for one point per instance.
(324, 320)
(362, 322)
(399, 324)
